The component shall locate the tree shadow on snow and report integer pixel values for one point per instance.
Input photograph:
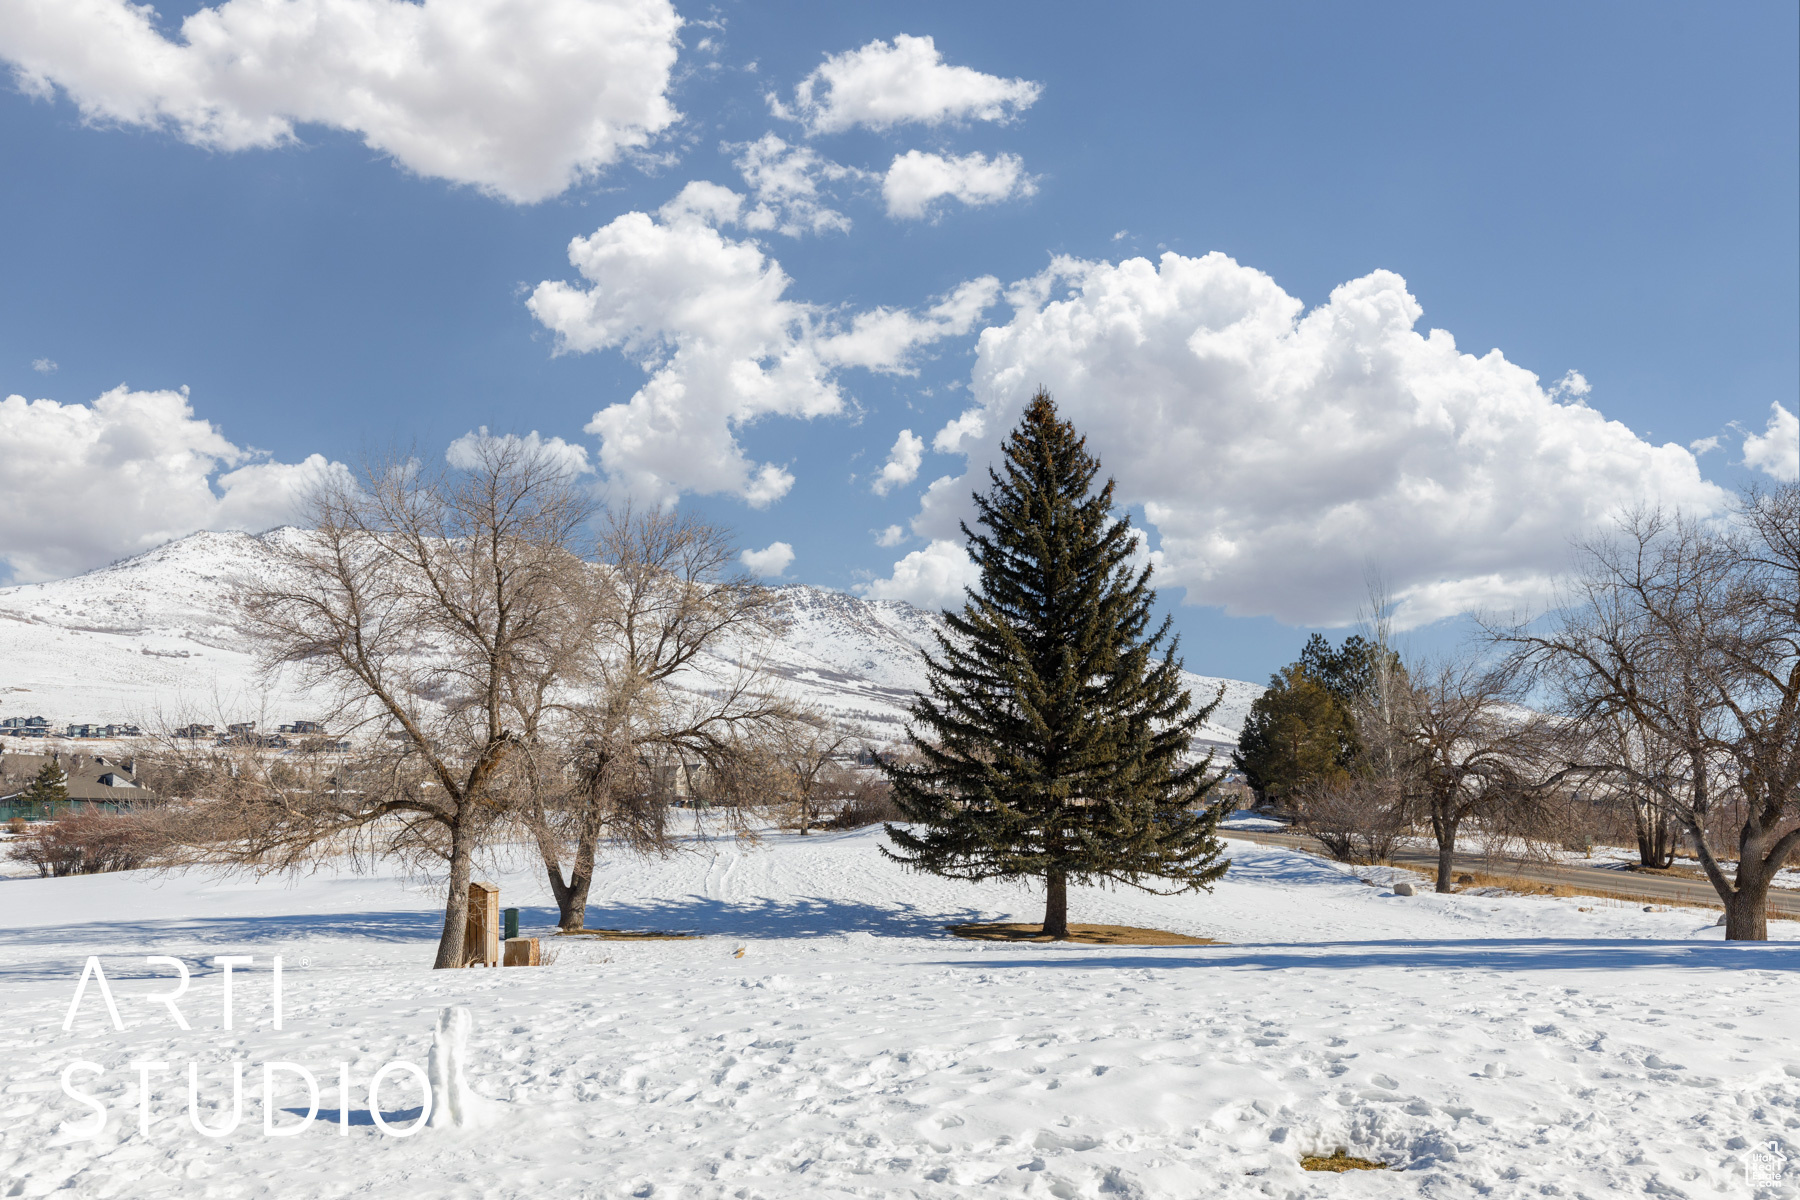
(1483, 954)
(793, 917)
(122, 945)
(403, 1118)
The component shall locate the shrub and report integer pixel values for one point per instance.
(1356, 820)
(869, 802)
(86, 844)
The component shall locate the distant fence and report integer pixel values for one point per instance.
(70, 808)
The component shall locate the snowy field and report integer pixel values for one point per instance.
(1482, 1046)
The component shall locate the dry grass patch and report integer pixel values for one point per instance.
(627, 935)
(1529, 887)
(1087, 935)
(1674, 872)
(1512, 883)
(1338, 1161)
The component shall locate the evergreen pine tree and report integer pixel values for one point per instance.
(1050, 742)
(49, 786)
(1298, 732)
(1302, 730)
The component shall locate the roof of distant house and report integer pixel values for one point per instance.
(97, 777)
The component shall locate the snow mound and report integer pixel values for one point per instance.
(453, 1102)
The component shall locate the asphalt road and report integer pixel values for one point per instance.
(1611, 879)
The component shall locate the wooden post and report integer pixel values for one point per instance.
(481, 937)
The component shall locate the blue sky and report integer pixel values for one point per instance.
(1609, 189)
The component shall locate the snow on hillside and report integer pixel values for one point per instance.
(144, 636)
(152, 636)
(1482, 1046)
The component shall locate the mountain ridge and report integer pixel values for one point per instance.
(151, 637)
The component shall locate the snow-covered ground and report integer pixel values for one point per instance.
(1255, 822)
(1483, 1046)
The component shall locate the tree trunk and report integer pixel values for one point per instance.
(1747, 914)
(1746, 897)
(1443, 828)
(1655, 836)
(1747, 906)
(1667, 839)
(456, 906)
(552, 859)
(572, 903)
(1056, 904)
(571, 893)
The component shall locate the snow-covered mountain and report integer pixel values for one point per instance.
(150, 637)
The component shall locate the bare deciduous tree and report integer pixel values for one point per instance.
(420, 600)
(1640, 755)
(665, 593)
(807, 754)
(1466, 740)
(867, 800)
(1691, 633)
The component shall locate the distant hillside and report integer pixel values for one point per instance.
(151, 636)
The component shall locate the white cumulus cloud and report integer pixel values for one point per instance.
(1776, 450)
(917, 178)
(83, 484)
(572, 457)
(708, 318)
(44, 366)
(771, 562)
(784, 182)
(1279, 453)
(883, 85)
(969, 424)
(902, 465)
(930, 578)
(519, 100)
(1573, 387)
(882, 339)
(893, 535)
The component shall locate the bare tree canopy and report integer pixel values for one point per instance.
(812, 778)
(498, 661)
(663, 592)
(424, 601)
(1464, 745)
(1688, 633)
